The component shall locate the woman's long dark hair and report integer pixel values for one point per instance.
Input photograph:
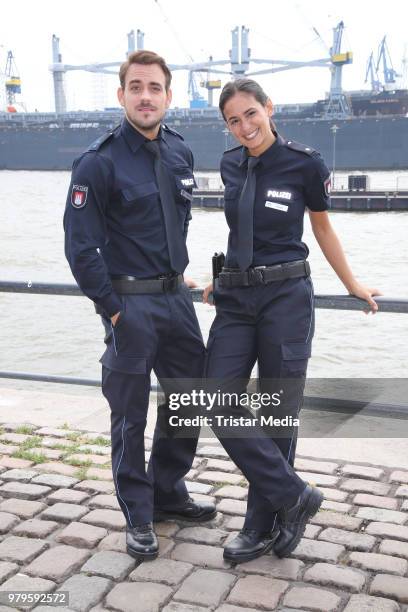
(248, 86)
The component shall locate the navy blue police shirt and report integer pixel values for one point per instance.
(289, 177)
(113, 218)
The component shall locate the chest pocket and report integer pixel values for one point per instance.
(231, 197)
(231, 192)
(139, 207)
(283, 204)
(136, 192)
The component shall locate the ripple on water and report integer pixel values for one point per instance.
(64, 336)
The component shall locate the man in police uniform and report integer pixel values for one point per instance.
(126, 222)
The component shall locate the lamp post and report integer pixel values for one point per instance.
(334, 128)
(225, 131)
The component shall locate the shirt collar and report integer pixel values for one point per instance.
(135, 139)
(267, 155)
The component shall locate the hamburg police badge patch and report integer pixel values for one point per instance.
(79, 195)
(327, 186)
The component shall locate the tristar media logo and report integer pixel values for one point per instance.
(79, 195)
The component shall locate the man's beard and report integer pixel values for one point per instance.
(145, 126)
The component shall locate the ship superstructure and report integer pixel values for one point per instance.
(359, 130)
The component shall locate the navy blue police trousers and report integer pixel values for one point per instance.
(272, 324)
(157, 332)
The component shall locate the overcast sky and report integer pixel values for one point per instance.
(92, 31)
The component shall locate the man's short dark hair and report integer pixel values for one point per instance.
(145, 58)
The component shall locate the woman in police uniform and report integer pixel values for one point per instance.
(264, 293)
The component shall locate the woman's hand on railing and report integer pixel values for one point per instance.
(206, 294)
(191, 284)
(366, 293)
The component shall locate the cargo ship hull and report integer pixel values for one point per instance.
(366, 143)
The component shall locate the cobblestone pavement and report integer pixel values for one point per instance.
(62, 530)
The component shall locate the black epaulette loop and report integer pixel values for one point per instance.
(95, 146)
(171, 131)
(298, 146)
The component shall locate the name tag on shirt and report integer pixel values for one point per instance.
(277, 206)
(186, 195)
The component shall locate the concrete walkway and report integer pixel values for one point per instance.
(62, 532)
(90, 412)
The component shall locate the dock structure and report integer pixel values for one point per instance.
(373, 201)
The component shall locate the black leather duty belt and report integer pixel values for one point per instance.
(132, 285)
(263, 275)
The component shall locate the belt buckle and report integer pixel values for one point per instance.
(163, 278)
(169, 282)
(255, 276)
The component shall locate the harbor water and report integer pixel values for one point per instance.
(63, 335)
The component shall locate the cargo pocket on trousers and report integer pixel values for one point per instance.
(295, 356)
(126, 385)
(124, 364)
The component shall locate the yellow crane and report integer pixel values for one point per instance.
(13, 82)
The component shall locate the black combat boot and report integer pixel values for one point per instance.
(193, 511)
(292, 520)
(141, 542)
(250, 544)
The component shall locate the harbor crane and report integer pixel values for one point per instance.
(372, 72)
(237, 65)
(338, 103)
(373, 68)
(389, 73)
(13, 82)
(195, 97)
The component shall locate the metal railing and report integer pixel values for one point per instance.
(337, 302)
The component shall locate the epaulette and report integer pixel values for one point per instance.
(298, 146)
(95, 146)
(174, 132)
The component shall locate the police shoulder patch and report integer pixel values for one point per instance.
(79, 195)
(298, 146)
(171, 131)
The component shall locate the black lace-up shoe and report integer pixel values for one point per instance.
(193, 511)
(292, 521)
(141, 542)
(250, 544)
